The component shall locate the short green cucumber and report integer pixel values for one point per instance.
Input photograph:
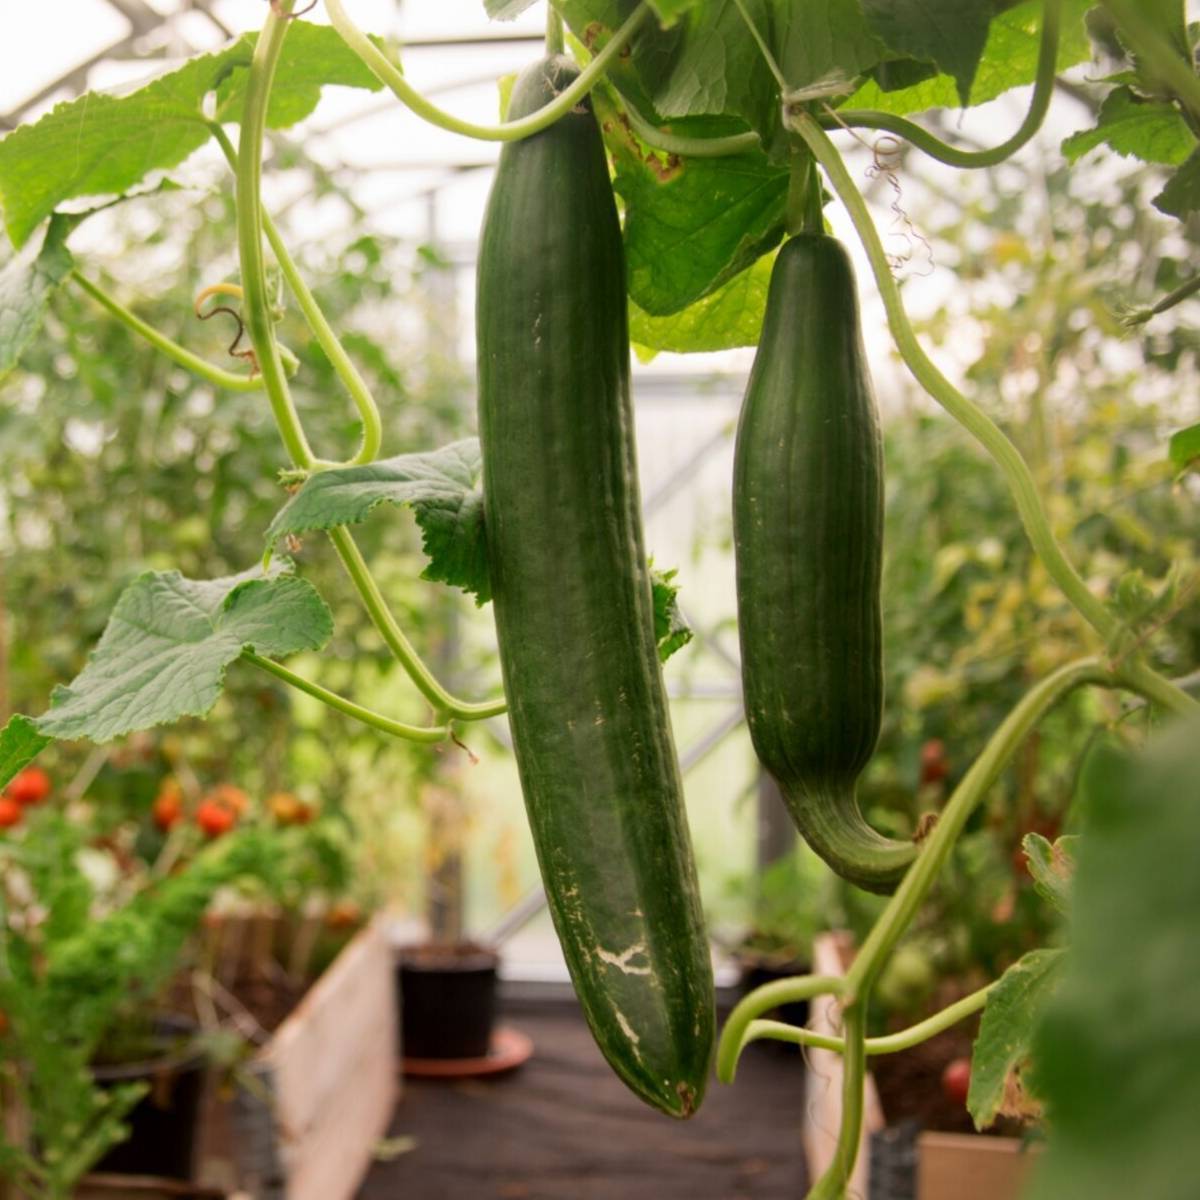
(573, 609)
(808, 539)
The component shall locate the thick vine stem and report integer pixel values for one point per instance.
(984, 772)
(922, 139)
(762, 1000)
(392, 77)
(343, 365)
(904, 1039)
(261, 327)
(804, 210)
(688, 147)
(832, 1185)
(412, 733)
(173, 350)
(555, 38)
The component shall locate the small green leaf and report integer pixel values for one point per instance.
(442, 488)
(730, 316)
(671, 631)
(1184, 448)
(165, 649)
(1181, 197)
(1153, 131)
(20, 744)
(1116, 1055)
(1006, 1029)
(1051, 867)
(27, 282)
(950, 33)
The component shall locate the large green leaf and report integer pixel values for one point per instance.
(1005, 1032)
(27, 282)
(1151, 130)
(690, 224)
(441, 487)
(950, 33)
(1009, 60)
(1184, 447)
(731, 316)
(1181, 196)
(20, 744)
(165, 649)
(1117, 1054)
(101, 144)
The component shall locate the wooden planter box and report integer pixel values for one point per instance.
(321, 1091)
(950, 1166)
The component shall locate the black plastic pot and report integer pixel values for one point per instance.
(447, 1001)
(164, 1124)
(758, 969)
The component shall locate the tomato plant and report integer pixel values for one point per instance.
(724, 176)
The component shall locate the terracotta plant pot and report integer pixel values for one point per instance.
(447, 1000)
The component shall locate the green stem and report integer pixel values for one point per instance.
(984, 772)
(511, 131)
(1141, 315)
(249, 236)
(441, 700)
(905, 1039)
(360, 393)
(688, 147)
(970, 416)
(1039, 103)
(762, 1000)
(413, 733)
(173, 350)
(804, 212)
(1139, 678)
(832, 1185)
(555, 41)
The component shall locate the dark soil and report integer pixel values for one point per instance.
(564, 1126)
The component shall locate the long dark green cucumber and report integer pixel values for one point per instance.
(573, 606)
(808, 538)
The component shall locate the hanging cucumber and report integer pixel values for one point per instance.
(573, 606)
(808, 538)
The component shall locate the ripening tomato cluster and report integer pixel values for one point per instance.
(220, 809)
(27, 788)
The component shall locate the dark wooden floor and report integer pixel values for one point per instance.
(562, 1127)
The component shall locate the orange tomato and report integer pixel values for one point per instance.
(10, 812)
(30, 786)
(214, 819)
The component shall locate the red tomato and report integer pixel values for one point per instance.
(934, 764)
(10, 812)
(956, 1080)
(30, 786)
(214, 819)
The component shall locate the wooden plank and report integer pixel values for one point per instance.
(334, 1071)
(823, 1078)
(953, 1165)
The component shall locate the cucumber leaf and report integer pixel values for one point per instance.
(1151, 130)
(20, 744)
(731, 316)
(1051, 865)
(1005, 1031)
(98, 144)
(442, 488)
(1181, 196)
(950, 33)
(166, 647)
(1117, 1052)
